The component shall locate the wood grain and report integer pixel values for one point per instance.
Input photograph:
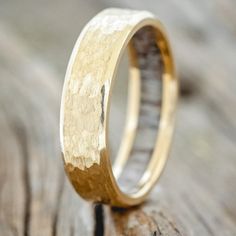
(196, 194)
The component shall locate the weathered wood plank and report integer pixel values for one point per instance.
(196, 194)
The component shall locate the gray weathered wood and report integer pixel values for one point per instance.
(196, 194)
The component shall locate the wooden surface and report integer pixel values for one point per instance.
(197, 192)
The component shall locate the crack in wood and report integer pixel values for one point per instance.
(22, 139)
(157, 226)
(99, 220)
(170, 223)
(167, 220)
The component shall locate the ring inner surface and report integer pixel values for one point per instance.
(146, 57)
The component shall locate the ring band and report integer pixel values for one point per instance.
(86, 102)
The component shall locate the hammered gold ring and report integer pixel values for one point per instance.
(85, 105)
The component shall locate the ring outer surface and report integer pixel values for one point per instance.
(86, 99)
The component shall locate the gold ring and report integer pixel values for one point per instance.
(86, 103)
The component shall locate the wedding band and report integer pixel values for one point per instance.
(85, 105)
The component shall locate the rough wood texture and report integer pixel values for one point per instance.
(196, 194)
